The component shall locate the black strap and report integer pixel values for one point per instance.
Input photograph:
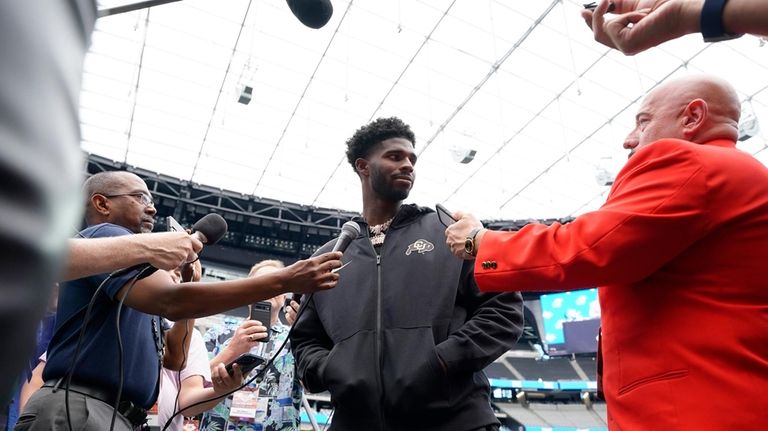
(711, 22)
(61, 383)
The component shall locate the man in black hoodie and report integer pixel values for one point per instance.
(402, 341)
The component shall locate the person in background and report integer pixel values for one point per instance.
(186, 382)
(642, 24)
(678, 250)
(278, 392)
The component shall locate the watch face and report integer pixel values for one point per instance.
(469, 246)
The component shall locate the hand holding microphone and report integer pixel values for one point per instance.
(349, 231)
(173, 247)
(313, 274)
(169, 250)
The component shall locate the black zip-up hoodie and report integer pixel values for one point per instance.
(376, 341)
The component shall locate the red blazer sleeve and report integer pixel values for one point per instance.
(656, 209)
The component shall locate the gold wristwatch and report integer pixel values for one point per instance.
(470, 247)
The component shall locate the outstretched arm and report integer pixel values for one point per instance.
(163, 250)
(642, 24)
(158, 295)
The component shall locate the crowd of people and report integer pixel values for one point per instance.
(399, 339)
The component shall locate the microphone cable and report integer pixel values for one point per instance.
(258, 374)
(81, 338)
(121, 369)
(183, 350)
(134, 279)
(143, 271)
(78, 345)
(302, 306)
(352, 228)
(327, 421)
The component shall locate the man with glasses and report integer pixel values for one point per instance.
(119, 205)
(142, 197)
(402, 343)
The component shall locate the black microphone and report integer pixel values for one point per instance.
(208, 230)
(312, 13)
(349, 231)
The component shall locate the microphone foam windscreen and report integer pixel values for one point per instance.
(312, 13)
(213, 226)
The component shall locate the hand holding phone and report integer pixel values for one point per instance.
(247, 362)
(262, 311)
(445, 216)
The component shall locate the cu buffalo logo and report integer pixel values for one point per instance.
(421, 246)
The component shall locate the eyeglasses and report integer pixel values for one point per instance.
(143, 198)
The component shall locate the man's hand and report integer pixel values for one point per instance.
(291, 310)
(311, 275)
(642, 24)
(222, 381)
(169, 250)
(246, 336)
(165, 250)
(192, 271)
(457, 233)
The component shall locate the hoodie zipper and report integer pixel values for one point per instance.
(378, 306)
(377, 348)
(378, 336)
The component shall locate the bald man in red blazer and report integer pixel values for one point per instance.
(680, 252)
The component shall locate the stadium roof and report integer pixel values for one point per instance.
(544, 107)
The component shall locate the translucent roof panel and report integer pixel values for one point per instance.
(520, 86)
